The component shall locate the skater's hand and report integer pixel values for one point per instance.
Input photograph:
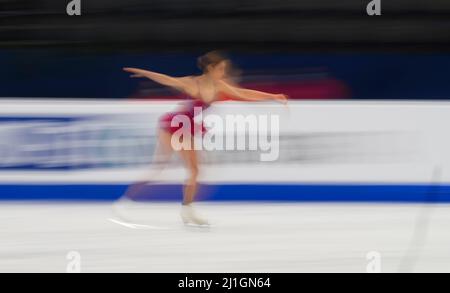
(281, 98)
(135, 71)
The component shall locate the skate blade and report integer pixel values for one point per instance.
(136, 226)
(194, 225)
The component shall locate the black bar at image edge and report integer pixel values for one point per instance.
(220, 282)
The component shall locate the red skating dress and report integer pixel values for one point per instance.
(165, 122)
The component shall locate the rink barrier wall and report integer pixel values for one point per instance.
(351, 151)
(234, 192)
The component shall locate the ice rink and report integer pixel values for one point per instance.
(245, 237)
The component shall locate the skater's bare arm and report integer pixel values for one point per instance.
(248, 94)
(180, 83)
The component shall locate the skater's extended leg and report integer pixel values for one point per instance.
(161, 159)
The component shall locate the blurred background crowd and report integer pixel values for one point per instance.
(323, 49)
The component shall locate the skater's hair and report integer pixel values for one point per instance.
(211, 58)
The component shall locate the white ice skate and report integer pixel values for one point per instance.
(118, 208)
(190, 218)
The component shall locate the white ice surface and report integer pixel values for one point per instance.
(245, 237)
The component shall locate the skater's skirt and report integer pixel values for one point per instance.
(174, 121)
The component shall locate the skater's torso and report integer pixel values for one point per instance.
(192, 105)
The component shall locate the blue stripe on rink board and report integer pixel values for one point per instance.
(236, 192)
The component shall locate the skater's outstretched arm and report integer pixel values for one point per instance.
(180, 83)
(250, 95)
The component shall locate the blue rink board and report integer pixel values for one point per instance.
(237, 192)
